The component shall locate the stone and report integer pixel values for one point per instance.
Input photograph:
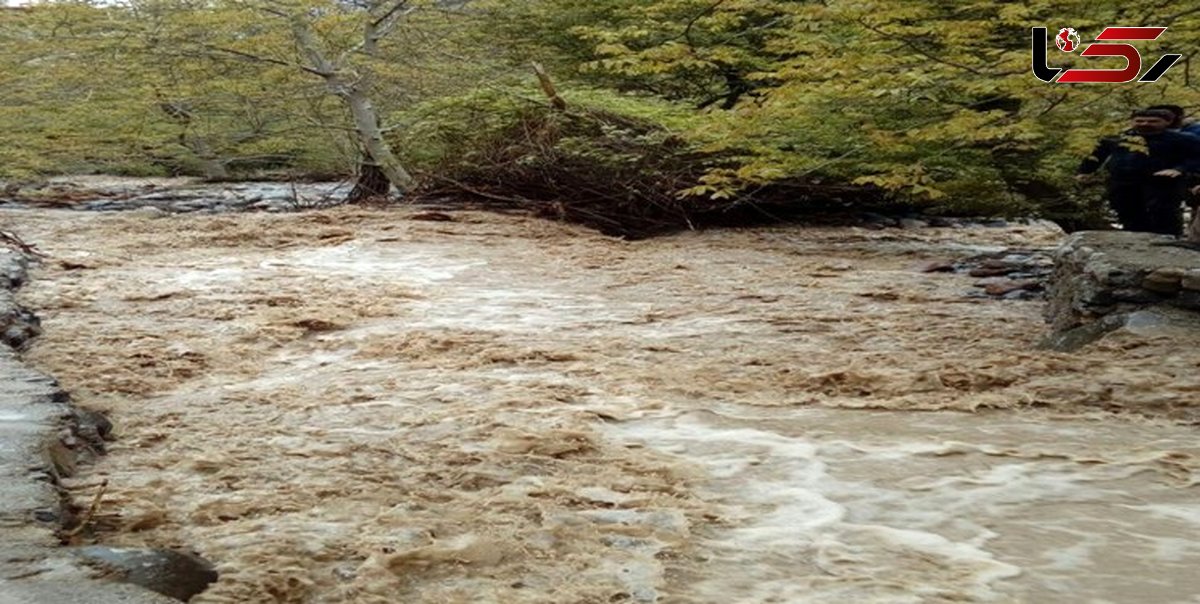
(172, 573)
(937, 266)
(96, 421)
(1191, 280)
(12, 269)
(1130, 296)
(1101, 272)
(1022, 294)
(992, 271)
(1005, 287)
(1163, 280)
(40, 441)
(18, 326)
(1188, 298)
(913, 223)
(1074, 339)
(871, 218)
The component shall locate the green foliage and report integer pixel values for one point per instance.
(929, 101)
(455, 128)
(932, 101)
(160, 86)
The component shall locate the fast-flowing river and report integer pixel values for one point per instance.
(358, 406)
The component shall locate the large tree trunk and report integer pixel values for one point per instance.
(378, 151)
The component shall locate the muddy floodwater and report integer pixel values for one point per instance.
(356, 406)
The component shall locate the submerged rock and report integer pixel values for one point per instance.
(1009, 274)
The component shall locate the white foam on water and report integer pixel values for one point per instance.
(842, 506)
(424, 265)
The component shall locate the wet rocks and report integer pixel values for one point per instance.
(1003, 288)
(1151, 322)
(175, 574)
(17, 325)
(155, 200)
(42, 438)
(1102, 273)
(877, 221)
(12, 270)
(1011, 274)
(938, 266)
(1165, 280)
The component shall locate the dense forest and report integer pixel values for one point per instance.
(635, 103)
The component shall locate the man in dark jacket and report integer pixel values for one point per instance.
(1146, 167)
(1180, 120)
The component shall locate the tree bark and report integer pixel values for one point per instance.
(376, 150)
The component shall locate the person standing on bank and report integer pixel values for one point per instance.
(1180, 122)
(1146, 167)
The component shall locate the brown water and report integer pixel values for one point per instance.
(352, 406)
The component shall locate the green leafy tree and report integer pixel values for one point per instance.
(931, 101)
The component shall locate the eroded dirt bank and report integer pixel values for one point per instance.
(354, 406)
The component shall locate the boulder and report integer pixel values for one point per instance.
(172, 573)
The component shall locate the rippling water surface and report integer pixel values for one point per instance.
(352, 406)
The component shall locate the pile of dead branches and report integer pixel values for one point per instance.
(615, 173)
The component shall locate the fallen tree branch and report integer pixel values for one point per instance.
(91, 512)
(15, 243)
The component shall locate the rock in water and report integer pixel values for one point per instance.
(937, 266)
(1006, 287)
(172, 573)
(913, 223)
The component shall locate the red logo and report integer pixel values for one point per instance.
(1068, 40)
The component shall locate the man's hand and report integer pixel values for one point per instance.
(1169, 173)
